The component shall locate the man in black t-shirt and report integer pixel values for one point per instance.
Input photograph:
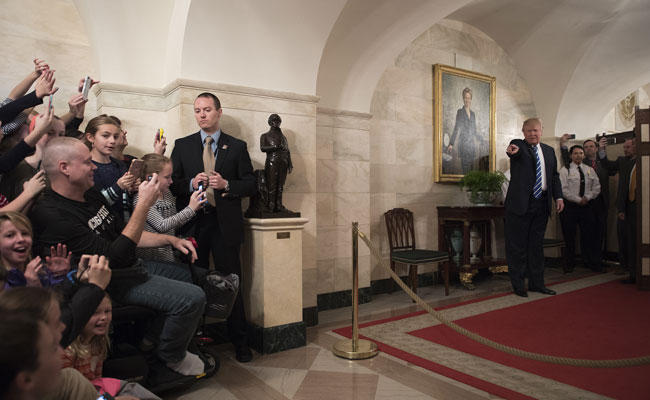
(73, 213)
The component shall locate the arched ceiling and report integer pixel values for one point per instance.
(366, 38)
(129, 39)
(617, 63)
(578, 57)
(263, 44)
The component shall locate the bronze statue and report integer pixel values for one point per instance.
(268, 202)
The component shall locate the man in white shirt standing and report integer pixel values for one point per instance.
(580, 186)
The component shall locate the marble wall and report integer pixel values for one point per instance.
(52, 31)
(401, 130)
(343, 196)
(368, 164)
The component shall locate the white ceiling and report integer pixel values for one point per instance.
(578, 57)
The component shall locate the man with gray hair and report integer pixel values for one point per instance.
(73, 213)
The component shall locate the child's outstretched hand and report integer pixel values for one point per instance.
(197, 200)
(31, 272)
(59, 259)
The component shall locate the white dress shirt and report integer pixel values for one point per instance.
(570, 179)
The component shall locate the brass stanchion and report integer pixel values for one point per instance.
(355, 348)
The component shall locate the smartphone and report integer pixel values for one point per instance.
(572, 136)
(83, 266)
(136, 167)
(161, 134)
(610, 139)
(86, 87)
(202, 196)
(149, 177)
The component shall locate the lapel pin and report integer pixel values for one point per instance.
(224, 147)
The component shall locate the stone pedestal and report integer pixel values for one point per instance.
(272, 282)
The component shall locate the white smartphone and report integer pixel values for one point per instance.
(86, 87)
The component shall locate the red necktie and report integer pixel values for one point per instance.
(593, 164)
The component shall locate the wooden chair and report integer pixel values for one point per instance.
(401, 239)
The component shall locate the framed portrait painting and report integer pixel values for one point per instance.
(464, 122)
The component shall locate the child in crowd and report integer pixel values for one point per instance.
(15, 255)
(88, 352)
(111, 176)
(162, 216)
(159, 143)
(120, 144)
(43, 305)
(29, 358)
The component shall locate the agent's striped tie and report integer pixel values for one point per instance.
(537, 189)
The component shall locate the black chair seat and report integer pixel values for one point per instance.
(418, 256)
(401, 240)
(553, 243)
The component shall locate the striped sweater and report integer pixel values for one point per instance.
(163, 218)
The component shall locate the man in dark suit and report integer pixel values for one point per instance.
(600, 204)
(534, 180)
(625, 203)
(218, 228)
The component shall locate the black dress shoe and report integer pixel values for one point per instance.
(521, 293)
(543, 291)
(243, 353)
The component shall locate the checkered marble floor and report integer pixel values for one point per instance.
(314, 372)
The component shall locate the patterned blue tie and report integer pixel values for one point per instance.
(537, 189)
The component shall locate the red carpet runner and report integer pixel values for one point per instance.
(605, 321)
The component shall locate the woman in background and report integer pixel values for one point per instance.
(465, 130)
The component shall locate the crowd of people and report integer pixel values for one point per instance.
(84, 226)
(585, 178)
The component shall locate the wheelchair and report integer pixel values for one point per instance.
(133, 359)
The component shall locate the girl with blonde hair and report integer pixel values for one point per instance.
(15, 255)
(162, 216)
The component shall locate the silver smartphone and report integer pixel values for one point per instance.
(86, 87)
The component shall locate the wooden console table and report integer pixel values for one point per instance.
(448, 217)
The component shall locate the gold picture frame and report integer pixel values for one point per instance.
(471, 135)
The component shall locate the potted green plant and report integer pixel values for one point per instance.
(483, 187)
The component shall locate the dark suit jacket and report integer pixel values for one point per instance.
(233, 163)
(466, 128)
(602, 172)
(522, 172)
(624, 167)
